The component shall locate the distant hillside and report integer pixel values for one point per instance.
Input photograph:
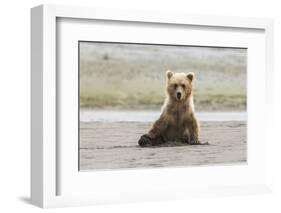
(133, 76)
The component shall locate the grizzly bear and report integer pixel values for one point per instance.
(177, 121)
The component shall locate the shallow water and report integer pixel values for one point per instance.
(150, 116)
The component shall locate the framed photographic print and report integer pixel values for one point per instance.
(129, 106)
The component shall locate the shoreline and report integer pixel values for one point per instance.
(151, 116)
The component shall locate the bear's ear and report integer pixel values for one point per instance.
(169, 74)
(190, 76)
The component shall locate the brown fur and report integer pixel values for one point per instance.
(177, 121)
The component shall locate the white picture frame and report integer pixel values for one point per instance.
(45, 168)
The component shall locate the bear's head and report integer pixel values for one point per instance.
(179, 85)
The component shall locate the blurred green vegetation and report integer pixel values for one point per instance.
(128, 76)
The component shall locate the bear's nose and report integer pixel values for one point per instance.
(179, 95)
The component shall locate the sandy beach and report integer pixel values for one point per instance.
(113, 145)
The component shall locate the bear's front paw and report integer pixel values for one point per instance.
(195, 142)
(145, 140)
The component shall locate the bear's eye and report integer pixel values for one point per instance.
(183, 86)
(175, 86)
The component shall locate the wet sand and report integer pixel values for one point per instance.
(113, 145)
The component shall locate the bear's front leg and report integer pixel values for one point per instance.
(155, 134)
(185, 137)
(194, 132)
